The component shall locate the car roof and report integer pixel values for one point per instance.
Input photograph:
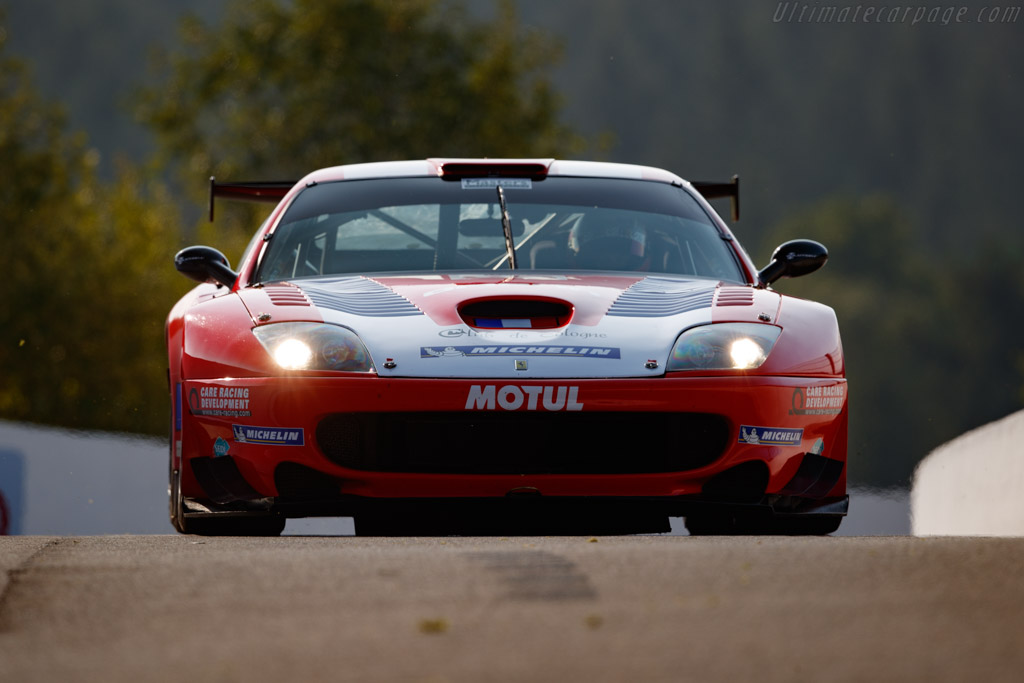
(476, 168)
(484, 166)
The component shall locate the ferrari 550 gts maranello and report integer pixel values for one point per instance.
(484, 345)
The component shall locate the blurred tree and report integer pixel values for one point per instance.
(121, 294)
(926, 357)
(984, 323)
(282, 88)
(87, 283)
(42, 172)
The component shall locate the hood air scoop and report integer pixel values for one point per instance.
(516, 314)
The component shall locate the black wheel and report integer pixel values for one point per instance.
(5, 516)
(175, 500)
(248, 525)
(733, 525)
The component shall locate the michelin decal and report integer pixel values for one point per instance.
(269, 436)
(521, 350)
(770, 436)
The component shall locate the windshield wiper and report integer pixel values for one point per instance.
(506, 227)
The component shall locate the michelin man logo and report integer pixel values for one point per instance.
(749, 437)
(446, 352)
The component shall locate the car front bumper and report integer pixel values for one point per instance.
(706, 440)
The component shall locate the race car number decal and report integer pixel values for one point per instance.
(770, 436)
(512, 397)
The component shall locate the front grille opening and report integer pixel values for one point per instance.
(744, 483)
(523, 442)
(298, 481)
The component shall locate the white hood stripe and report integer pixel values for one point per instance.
(644, 325)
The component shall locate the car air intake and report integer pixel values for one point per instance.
(479, 442)
(516, 314)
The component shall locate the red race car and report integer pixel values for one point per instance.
(502, 346)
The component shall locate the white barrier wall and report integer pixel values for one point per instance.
(70, 483)
(973, 485)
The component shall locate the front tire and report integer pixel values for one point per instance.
(247, 525)
(175, 501)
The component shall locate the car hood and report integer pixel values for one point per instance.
(418, 326)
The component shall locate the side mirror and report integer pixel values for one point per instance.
(793, 259)
(205, 264)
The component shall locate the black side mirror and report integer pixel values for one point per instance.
(205, 264)
(793, 259)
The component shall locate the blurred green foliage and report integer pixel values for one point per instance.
(286, 87)
(86, 283)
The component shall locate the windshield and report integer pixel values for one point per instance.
(430, 224)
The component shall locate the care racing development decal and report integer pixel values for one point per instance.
(770, 436)
(512, 397)
(821, 400)
(524, 350)
(269, 436)
(219, 401)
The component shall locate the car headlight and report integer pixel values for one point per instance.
(314, 346)
(723, 346)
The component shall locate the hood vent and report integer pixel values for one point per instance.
(359, 296)
(286, 295)
(516, 314)
(735, 296)
(655, 297)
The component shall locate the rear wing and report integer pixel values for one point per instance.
(719, 190)
(274, 191)
(260, 191)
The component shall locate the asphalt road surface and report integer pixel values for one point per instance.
(642, 608)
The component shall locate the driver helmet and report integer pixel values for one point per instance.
(620, 238)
